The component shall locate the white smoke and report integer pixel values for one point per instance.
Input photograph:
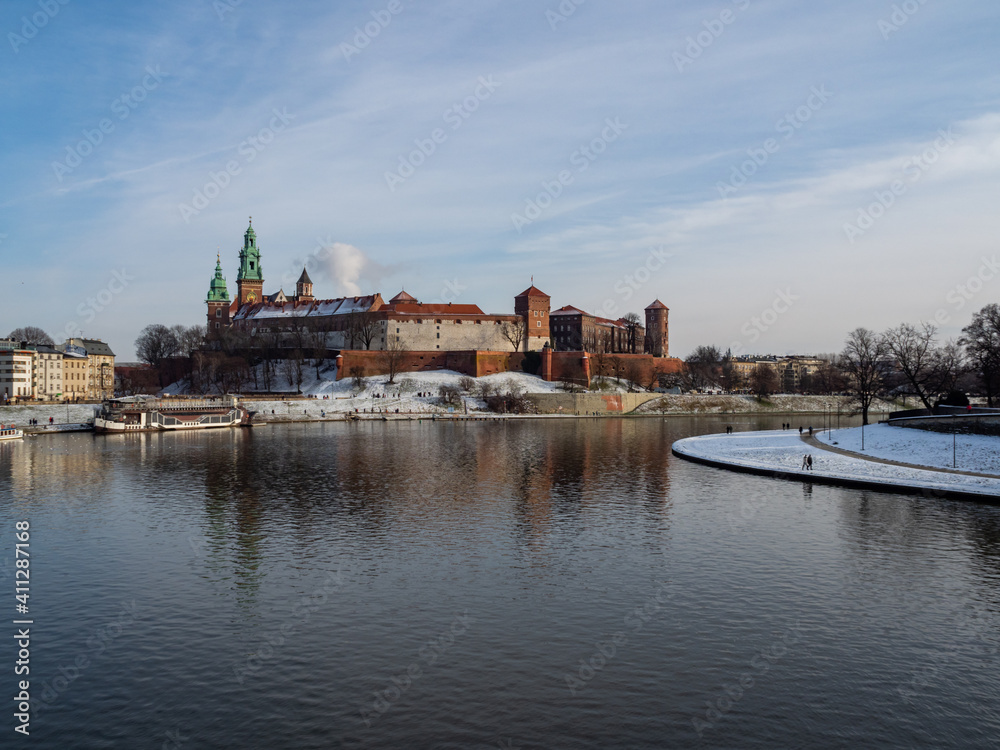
(345, 264)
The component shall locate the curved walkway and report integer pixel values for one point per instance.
(779, 454)
(814, 442)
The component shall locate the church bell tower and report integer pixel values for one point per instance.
(250, 281)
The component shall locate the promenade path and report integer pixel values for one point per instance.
(779, 454)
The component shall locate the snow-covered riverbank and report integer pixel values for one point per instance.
(781, 453)
(978, 453)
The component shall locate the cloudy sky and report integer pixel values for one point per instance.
(777, 172)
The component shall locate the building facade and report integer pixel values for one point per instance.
(17, 371)
(48, 373)
(301, 321)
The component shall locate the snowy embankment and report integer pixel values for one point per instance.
(978, 453)
(60, 413)
(329, 399)
(784, 403)
(781, 452)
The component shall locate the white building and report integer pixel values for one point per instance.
(17, 371)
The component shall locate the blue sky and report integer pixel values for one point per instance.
(778, 173)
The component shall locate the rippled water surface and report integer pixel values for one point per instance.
(539, 584)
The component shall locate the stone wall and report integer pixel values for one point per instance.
(590, 403)
(964, 425)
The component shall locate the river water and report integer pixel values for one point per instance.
(536, 584)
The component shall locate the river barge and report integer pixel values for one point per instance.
(136, 414)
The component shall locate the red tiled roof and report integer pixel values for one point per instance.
(403, 296)
(568, 310)
(532, 291)
(430, 309)
(657, 305)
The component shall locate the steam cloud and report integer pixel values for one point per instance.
(345, 264)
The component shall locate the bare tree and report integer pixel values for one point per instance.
(703, 367)
(729, 376)
(617, 365)
(764, 381)
(950, 367)
(633, 374)
(155, 343)
(357, 373)
(915, 355)
(864, 362)
(513, 332)
(632, 323)
(360, 329)
(393, 356)
(981, 339)
(31, 335)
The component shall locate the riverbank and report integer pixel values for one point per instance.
(780, 454)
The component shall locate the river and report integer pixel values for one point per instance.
(531, 584)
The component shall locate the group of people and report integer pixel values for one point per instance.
(807, 462)
(34, 422)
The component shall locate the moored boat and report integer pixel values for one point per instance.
(137, 414)
(10, 433)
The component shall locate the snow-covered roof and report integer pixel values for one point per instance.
(318, 308)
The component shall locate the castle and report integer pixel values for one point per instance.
(404, 323)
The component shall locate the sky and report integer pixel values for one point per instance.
(777, 173)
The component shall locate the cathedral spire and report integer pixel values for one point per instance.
(250, 280)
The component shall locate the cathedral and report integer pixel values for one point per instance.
(368, 322)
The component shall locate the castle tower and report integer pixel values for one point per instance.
(657, 330)
(250, 281)
(533, 306)
(304, 288)
(217, 301)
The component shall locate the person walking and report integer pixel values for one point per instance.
(805, 460)
(809, 462)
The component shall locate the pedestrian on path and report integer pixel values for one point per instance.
(809, 462)
(805, 460)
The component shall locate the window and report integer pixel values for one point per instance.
(439, 335)
(539, 324)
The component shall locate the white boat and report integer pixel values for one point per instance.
(11, 433)
(137, 414)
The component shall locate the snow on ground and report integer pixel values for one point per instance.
(60, 413)
(332, 399)
(782, 403)
(783, 451)
(979, 453)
